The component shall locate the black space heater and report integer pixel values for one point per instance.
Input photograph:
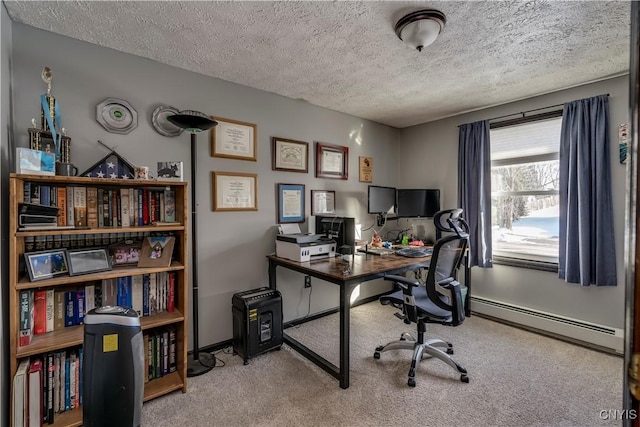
(257, 322)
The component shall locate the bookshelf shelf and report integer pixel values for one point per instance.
(64, 339)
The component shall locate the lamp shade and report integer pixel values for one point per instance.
(421, 28)
(192, 121)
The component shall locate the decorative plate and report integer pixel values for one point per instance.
(116, 115)
(161, 124)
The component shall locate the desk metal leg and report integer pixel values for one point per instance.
(467, 283)
(345, 302)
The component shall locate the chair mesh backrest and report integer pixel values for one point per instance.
(447, 253)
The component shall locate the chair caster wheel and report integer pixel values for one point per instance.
(246, 362)
(449, 351)
(411, 382)
(379, 348)
(376, 355)
(464, 378)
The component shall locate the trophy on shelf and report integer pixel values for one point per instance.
(51, 136)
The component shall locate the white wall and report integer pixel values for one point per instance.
(428, 155)
(232, 247)
(5, 144)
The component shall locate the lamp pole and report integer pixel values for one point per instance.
(195, 122)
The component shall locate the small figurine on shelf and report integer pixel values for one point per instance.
(376, 240)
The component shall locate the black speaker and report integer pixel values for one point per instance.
(257, 322)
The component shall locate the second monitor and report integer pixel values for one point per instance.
(417, 203)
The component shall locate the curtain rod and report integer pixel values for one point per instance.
(522, 113)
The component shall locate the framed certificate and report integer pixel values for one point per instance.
(234, 191)
(289, 155)
(323, 202)
(233, 139)
(290, 203)
(332, 161)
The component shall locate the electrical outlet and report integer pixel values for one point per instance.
(307, 281)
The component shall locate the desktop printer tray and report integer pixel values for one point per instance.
(298, 237)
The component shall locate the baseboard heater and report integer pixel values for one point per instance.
(589, 333)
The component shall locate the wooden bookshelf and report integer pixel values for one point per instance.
(72, 336)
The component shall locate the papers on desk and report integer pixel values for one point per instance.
(288, 228)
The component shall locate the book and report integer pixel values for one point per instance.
(20, 396)
(136, 293)
(125, 218)
(49, 310)
(92, 207)
(69, 298)
(39, 312)
(50, 374)
(62, 206)
(80, 206)
(169, 213)
(78, 308)
(35, 393)
(70, 203)
(59, 309)
(26, 317)
(90, 298)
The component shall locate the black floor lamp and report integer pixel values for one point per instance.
(195, 122)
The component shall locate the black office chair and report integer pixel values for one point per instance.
(439, 301)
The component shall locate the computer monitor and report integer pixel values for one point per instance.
(418, 203)
(381, 200)
(340, 229)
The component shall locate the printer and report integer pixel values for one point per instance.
(303, 247)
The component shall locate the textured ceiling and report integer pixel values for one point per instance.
(346, 57)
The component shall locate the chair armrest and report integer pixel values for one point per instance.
(453, 290)
(405, 283)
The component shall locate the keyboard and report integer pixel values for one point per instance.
(377, 251)
(417, 252)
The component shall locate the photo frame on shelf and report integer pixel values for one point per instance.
(85, 261)
(157, 251)
(323, 202)
(332, 161)
(291, 203)
(125, 254)
(46, 264)
(170, 171)
(289, 155)
(233, 139)
(234, 191)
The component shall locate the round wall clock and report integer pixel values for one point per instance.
(116, 116)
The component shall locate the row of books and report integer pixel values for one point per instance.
(43, 241)
(159, 352)
(100, 207)
(47, 310)
(51, 384)
(47, 385)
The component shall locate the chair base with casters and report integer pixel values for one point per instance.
(422, 349)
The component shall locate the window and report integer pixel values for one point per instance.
(524, 190)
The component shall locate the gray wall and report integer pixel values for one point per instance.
(232, 247)
(427, 156)
(5, 144)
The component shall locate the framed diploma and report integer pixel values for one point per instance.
(233, 139)
(290, 203)
(332, 161)
(289, 155)
(234, 191)
(366, 169)
(323, 202)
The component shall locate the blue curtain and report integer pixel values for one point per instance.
(474, 189)
(587, 248)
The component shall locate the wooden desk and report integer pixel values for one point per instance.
(363, 268)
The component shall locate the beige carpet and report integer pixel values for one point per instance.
(517, 378)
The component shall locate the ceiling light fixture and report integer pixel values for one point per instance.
(419, 29)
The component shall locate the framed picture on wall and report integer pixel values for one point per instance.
(290, 203)
(323, 202)
(235, 191)
(332, 161)
(289, 155)
(234, 139)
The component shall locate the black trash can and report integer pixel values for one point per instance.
(113, 368)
